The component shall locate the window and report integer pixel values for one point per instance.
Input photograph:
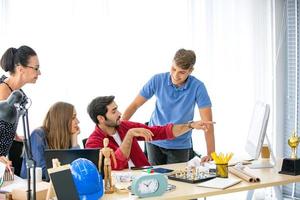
(291, 106)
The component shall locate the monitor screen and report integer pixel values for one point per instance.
(257, 129)
(66, 156)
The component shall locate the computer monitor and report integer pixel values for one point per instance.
(66, 156)
(257, 129)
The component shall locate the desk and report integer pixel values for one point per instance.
(18, 188)
(16, 183)
(269, 177)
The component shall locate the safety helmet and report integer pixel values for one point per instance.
(87, 179)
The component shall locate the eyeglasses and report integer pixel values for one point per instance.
(35, 68)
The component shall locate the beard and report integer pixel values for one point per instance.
(112, 123)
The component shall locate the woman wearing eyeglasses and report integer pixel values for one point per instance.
(22, 64)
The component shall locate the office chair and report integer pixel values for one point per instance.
(145, 147)
(84, 142)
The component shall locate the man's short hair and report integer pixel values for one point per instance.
(185, 59)
(98, 106)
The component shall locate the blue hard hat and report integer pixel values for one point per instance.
(87, 179)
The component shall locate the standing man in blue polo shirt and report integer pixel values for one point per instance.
(177, 92)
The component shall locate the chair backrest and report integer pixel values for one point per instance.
(15, 156)
(84, 142)
(145, 146)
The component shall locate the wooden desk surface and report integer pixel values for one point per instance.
(269, 177)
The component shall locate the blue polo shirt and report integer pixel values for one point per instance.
(175, 105)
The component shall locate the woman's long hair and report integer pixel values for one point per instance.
(57, 125)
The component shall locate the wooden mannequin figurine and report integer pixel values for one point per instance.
(107, 153)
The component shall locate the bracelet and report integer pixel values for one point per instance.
(190, 124)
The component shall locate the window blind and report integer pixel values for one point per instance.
(291, 121)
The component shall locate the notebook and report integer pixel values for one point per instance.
(219, 183)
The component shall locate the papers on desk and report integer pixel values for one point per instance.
(219, 183)
(16, 183)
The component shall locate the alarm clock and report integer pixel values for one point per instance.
(149, 185)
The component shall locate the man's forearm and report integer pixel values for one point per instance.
(126, 144)
(206, 114)
(210, 140)
(129, 112)
(132, 108)
(180, 129)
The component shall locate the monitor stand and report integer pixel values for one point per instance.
(264, 163)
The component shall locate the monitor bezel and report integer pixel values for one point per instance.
(253, 148)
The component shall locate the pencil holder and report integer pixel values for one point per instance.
(222, 170)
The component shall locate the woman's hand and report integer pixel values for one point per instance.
(7, 163)
(19, 138)
(74, 138)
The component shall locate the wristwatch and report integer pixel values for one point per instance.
(190, 124)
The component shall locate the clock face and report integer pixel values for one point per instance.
(148, 186)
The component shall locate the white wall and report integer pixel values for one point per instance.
(92, 48)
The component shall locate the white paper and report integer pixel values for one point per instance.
(220, 183)
(16, 183)
(195, 162)
(2, 169)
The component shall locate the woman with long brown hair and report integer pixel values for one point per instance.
(59, 131)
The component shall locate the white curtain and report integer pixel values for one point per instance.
(234, 45)
(112, 47)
